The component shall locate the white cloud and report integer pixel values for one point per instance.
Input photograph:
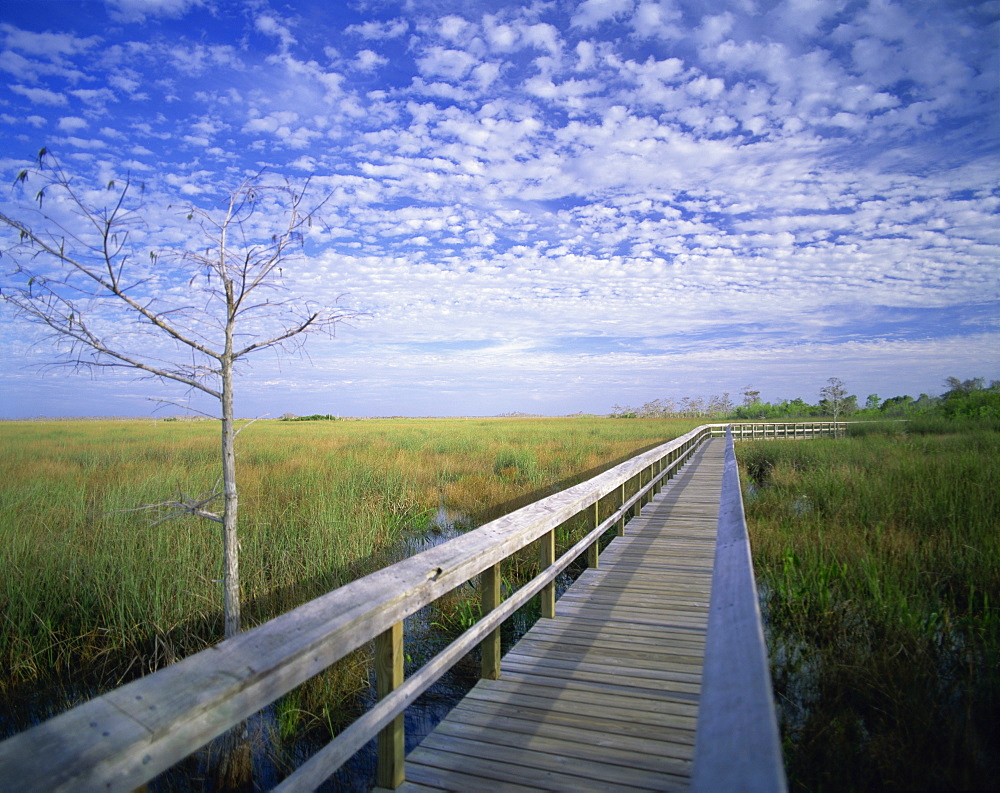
(51, 45)
(85, 143)
(270, 26)
(72, 124)
(368, 60)
(39, 96)
(590, 13)
(140, 10)
(657, 19)
(127, 80)
(196, 59)
(447, 63)
(393, 28)
(565, 196)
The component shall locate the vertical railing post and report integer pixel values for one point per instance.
(635, 484)
(594, 519)
(546, 557)
(388, 677)
(621, 503)
(489, 594)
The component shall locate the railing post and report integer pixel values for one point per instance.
(489, 594)
(621, 503)
(388, 677)
(634, 485)
(594, 551)
(546, 556)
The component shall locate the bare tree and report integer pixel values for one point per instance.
(833, 396)
(189, 310)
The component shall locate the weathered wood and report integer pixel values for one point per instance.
(594, 520)
(546, 556)
(620, 525)
(489, 594)
(625, 649)
(737, 747)
(389, 677)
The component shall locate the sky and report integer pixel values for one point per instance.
(544, 207)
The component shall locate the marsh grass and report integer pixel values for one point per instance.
(878, 557)
(94, 593)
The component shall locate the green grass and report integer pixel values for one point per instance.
(94, 590)
(878, 559)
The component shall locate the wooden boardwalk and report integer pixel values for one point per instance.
(605, 695)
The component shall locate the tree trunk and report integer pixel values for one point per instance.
(230, 539)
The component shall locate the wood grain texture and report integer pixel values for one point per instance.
(605, 695)
(738, 745)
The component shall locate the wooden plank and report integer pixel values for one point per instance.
(532, 764)
(511, 733)
(608, 690)
(618, 728)
(572, 696)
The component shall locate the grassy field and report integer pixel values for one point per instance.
(878, 557)
(94, 590)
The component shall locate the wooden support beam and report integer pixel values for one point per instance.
(489, 593)
(621, 503)
(546, 556)
(388, 677)
(594, 519)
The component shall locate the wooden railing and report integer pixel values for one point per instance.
(774, 429)
(122, 739)
(737, 745)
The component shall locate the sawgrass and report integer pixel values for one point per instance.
(878, 560)
(96, 591)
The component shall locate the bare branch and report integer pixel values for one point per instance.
(252, 421)
(183, 407)
(180, 506)
(83, 273)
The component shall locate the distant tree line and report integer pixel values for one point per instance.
(971, 398)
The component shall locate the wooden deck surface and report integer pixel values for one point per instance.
(605, 696)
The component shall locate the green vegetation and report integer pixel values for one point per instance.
(878, 560)
(94, 590)
(971, 398)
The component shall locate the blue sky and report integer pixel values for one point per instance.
(550, 207)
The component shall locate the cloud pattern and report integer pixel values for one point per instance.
(556, 206)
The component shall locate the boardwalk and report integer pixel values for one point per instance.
(605, 696)
(653, 675)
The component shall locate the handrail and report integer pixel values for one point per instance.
(124, 738)
(785, 429)
(737, 746)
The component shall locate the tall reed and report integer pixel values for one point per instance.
(878, 560)
(94, 590)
